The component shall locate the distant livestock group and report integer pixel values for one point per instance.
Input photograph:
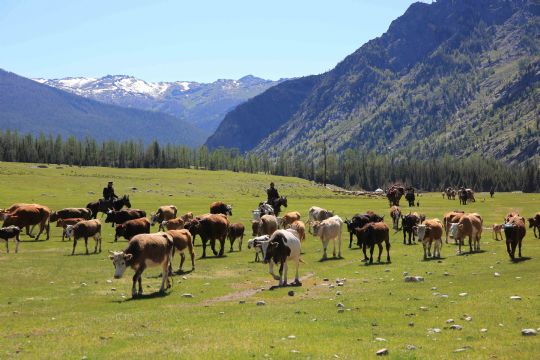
(276, 240)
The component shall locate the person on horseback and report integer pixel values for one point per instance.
(272, 194)
(108, 192)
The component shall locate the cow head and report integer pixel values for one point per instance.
(120, 261)
(532, 222)
(256, 242)
(229, 210)
(120, 230)
(110, 216)
(315, 227)
(69, 230)
(421, 231)
(60, 223)
(153, 218)
(192, 226)
(53, 217)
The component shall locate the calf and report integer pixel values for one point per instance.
(181, 242)
(236, 231)
(63, 223)
(144, 250)
(471, 226)
(329, 229)
(373, 234)
(289, 218)
(255, 242)
(173, 224)
(282, 247)
(187, 216)
(317, 214)
(70, 213)
(408, 222)
(395, 214)
(497, 231)
(165, 212)
(300, 228)
(514, 231)
(219, 207)
(131, 228)
(121, 216)
(29, 215)
(211, 227)
(430, 232)
(534, 223)
(10, 232)
(85, 229)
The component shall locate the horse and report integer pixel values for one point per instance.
(104, 206)
(277, 203)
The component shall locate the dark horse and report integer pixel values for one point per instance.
(278, 203)
(103, 206)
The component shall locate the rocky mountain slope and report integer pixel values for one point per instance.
(452, 77)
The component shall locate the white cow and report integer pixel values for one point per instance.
(329, 229)
(282, 247)
(317, 214)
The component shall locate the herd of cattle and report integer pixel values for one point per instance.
(277, 240)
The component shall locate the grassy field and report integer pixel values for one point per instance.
(58, 306)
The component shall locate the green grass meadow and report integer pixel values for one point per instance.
(56, 306)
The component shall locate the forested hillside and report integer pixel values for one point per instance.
(455, 77)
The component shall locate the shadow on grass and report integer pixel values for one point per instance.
(153, 295)
(332, 259)
(471, 253)
(366, 263)
(212, 257)
(83, 254)
(180, 272)
(434, 259)
(33, 240)
(521, 259)
(289, 285)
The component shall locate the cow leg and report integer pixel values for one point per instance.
(7, 246)
(388, 251)
(182, 259)
(334, 248)
(519, 246)
(404, 235)
(380, 251)
(100, 240)
(192, 254)
(371, 248)
(350, 239)
(508, 249)
(231, 240)
(28, 232)
(86, 244)
(48, 228)
(137, 278)
(165, 275)
(285, 270)
(364, 248)
(325, 245)
(271, 270)
(74, 245)
(213, 246)
(203, 240)
(339, 244)
(430, 242)
(424, 245)
(222, 243)
(17, 241)
(296, 277)
(514, 245)
(470, 244)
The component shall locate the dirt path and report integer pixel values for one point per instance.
(240, 295)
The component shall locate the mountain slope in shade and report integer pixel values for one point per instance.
(28, 106)
(203, 105)
(454, 76)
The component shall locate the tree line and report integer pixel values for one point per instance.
(355, 169)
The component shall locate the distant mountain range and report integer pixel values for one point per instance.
(201, 104)
(453, 77)
(30, 107)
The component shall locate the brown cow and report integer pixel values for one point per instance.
(85, 229)
(289, 218)
(514, 231)
(534, 223)
(70, 213)
(165, 212)
(219, 207)
(449, 218)
(173, 224)
(182, 241)
(372, 234)
(300, 228)
(469, 225)
(144, 250)
(131, 228)
(10, 232)
(211, 227)
(430, 232)
(63, 223)
(395, 214)
(497, 231)
(236, 231)
(187, 216)
(28, 215)
(267, 225)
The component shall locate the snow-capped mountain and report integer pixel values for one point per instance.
(202, 104)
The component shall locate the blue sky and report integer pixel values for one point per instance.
(197, 40)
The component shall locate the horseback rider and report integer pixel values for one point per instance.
(272, 194)
(108, 192)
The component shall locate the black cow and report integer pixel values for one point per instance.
(121, 216)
